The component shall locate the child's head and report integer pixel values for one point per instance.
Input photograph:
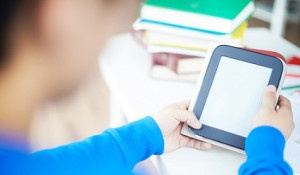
(66, 34)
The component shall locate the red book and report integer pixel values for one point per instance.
(180, 64)
(294, 60)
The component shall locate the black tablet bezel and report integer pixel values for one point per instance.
(240, 54)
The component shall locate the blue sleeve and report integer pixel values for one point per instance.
(265, 153)
(116, 151)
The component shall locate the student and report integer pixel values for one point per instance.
(46, 47)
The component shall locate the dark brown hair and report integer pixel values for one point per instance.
(9, 11)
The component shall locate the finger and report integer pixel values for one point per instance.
(285, 107)
(189, 117)
(197, 144)
(284, 103)
(184, 104)
(269, 98)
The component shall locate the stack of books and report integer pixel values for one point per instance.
(178, 33)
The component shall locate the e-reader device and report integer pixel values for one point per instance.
(229, 94)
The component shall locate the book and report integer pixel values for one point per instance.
(293, 71)
(220, 16)
(165, 73)
(294, 60)
(293, 68)
(158, 49)
(143, 24)
(151, 37)
(139, 34)
(180, 64)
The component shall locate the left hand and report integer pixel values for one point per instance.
(170, 120)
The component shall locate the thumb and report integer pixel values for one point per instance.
(269, 98)
(189, 117)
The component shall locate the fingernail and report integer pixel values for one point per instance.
(199, 125)
(271, 88)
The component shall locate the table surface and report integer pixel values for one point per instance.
(126, 69)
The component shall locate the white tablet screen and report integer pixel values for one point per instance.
(235, 96)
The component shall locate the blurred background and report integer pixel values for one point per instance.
(85, 110)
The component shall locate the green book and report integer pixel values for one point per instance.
(222, 16)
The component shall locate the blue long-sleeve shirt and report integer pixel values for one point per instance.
(117, 151)
(265, 149)
(114, 152)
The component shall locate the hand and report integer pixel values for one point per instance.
(280, 117)
(170, 120)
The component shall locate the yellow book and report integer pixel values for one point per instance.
(198, 42)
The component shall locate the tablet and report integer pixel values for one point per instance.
(229, 94)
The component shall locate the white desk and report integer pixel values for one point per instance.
(126, 67)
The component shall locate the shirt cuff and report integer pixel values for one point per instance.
(265, 140)
(140, 139)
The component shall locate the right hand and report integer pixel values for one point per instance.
(170, 121)
(280, 118)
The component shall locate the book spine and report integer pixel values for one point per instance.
(138, 36)
(169, 60)
(166, 59)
